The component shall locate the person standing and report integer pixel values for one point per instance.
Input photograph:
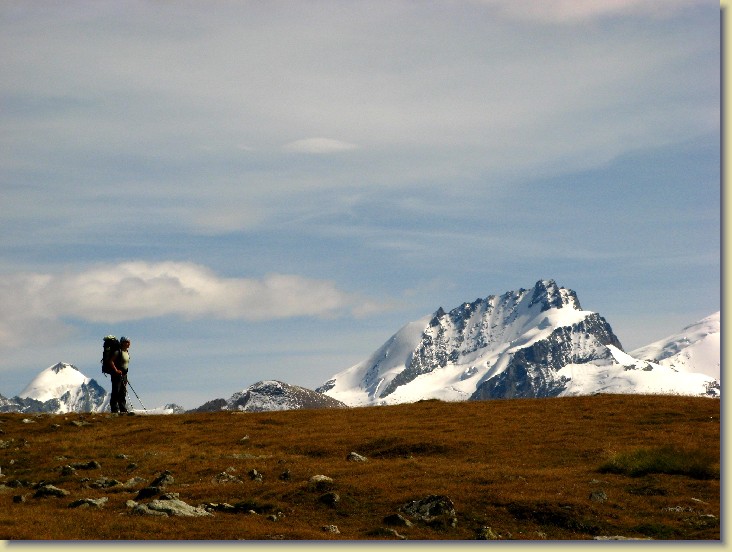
(120, 364)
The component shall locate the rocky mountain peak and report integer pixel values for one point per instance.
(59, 367)
(551, 296)
(535, 342)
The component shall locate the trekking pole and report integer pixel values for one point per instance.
(135, 392)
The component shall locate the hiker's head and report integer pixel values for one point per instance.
(124, 342)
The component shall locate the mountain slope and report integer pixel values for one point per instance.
(272, 395)
(523, 343)
(63, 388)
(696, 348)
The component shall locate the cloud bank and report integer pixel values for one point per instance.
(39, 303)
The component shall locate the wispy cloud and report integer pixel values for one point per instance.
(319, 146)
(129, 291)
(574, 11)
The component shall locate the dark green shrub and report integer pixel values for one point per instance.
(665, 459)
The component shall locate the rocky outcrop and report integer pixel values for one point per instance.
(532, 371)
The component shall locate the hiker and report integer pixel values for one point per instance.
(119, 364)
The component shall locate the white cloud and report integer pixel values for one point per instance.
(319, 145)
(581, 11)
(40, 303)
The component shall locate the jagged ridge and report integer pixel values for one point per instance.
(512, 345)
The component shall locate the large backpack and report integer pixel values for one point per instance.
(111, 348)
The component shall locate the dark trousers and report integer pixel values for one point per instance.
(117, 402)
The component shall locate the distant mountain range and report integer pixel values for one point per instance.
(58, 389)
(534, 342)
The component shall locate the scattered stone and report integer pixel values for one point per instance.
(598, 496)
(132, 466)
(254, 475)
(101, 483)
(429, 508)
(355, 457)
(219, 507)
(50, 491)
(28, 421)
(67, 470)
(331, 499)
(165, 478)
(486, 533)
(397, 519)
(143, 510)
(133, 482)
(170, 507)
(79, 423)
(19, 499)
(244, 439)
(331, 529)
(224, 477)
(89, 502)
(321, 482)
(285, 475)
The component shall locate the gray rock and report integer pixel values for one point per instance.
(176, 507)
(321, 483)
(486, 533)
(89, 502)
(355, 457)
(598, 496)
(50, 491)
(436, 511)
(102, 483)
(143, 510)
(133, 482)
(429, 508)
(224, 477)
(331, 529)
(165, 478)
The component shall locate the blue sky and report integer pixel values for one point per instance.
(270, 190)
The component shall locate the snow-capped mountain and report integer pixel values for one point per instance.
(524, 343)
(696, 348)
(271, 395)
(63, 388)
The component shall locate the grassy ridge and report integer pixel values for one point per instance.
(530, 469)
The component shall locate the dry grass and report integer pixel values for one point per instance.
(525, 468)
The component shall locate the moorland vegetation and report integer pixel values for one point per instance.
(575, 468)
